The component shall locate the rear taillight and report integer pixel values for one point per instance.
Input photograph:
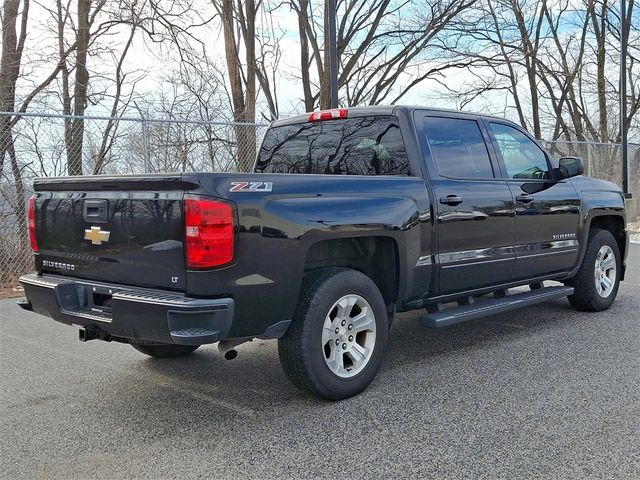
(209, 232)
(32, 224)
(328, 114)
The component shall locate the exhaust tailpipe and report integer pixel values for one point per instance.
(228, 347)
(230, 354)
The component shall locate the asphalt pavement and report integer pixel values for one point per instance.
(545, 392)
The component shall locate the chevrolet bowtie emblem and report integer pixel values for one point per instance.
(96, 235)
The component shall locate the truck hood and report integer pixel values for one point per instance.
(582, 183)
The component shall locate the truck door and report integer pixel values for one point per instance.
(547, 210)
(474, 209)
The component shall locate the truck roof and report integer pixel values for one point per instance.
(372, 110)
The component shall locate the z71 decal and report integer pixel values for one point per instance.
(251, 186)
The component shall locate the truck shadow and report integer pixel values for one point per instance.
(256, 370)
(408, 340)
(200, 391)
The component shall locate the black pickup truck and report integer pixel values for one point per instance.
(350, 216)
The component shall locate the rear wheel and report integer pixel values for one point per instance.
(596, 283)
(336, 343)
(164, 351)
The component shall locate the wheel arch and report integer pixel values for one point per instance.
(376, 256)
(615, 224)
(612, 220)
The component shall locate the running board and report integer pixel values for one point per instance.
(489, 306)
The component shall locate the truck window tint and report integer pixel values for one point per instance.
(458, 148)
(352, 146)
(522, 157)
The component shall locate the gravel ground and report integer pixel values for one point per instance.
(544, 392)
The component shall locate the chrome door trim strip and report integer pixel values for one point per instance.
(423, 261)
(558, 252)
(490, 253)
(480, 262)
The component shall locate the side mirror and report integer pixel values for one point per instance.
(570, 167)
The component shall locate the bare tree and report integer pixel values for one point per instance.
(248, 70)
(555, 61)
(97, 22)
(384, 48)
(76, 104)
(132, 19)
(10, 63)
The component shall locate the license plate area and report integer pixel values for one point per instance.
(85, 301)
(101, 302)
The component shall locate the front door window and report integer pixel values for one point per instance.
(522, 157)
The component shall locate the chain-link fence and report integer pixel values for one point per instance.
(39, 145)
(602, 160)
(45, 145)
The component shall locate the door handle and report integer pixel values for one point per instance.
(451, 200)
(524, 198)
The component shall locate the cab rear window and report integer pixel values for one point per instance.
(352, 146)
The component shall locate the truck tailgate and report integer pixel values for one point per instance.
(108, 230)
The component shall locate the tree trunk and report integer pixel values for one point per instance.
(305, 63)
(247, 153)
(9, 70)
(74, 148)
(599, 28)
(64, 71)
(243, 93)
(325, 81)
(530, 51)
(12, 47)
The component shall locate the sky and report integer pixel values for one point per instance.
(149, 64)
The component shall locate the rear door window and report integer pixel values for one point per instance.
(353, 146)
(458, 148)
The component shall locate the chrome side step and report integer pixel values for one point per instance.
(471, 308)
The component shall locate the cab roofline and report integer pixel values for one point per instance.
(376, 110)
(354, 112)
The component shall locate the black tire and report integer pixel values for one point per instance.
(585, 296)
(302, 354)
(165, 351)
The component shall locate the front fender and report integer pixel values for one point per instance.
(598, 198)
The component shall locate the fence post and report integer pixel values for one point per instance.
(145, 139)
(145, 144)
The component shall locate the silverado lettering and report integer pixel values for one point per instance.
(59, 265)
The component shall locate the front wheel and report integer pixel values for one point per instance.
(336, 343)
(596, 283)
(164, 351)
